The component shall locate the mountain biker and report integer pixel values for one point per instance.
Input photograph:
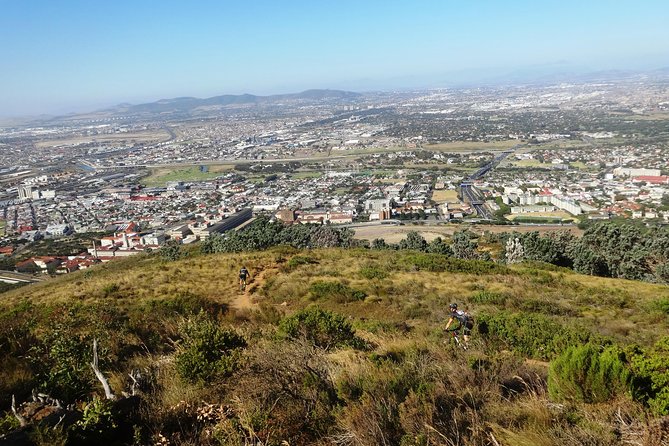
(464, 319)
(243, 274)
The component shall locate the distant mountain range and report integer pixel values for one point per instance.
(189, 104)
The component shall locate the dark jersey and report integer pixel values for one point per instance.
(463, 318)
(243, 273)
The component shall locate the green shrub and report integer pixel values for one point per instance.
(650, 368)
(110, 289)
(662, 305)
(183, 303)
(546, 307)
(589, 374)
(488, 297)
(97, 422)
(532, 335)
(171, 251)
(62, 362)
(324, 328)
(336, 291)
(440, 263)
(298, 260)
(373, 272)
(539, 276)
(207, 351)
(8, 423)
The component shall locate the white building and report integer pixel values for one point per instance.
(378, 205)
(636, 172)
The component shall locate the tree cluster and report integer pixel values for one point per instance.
(606, 249)
(264, 233)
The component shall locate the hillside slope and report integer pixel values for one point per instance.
(339, 346)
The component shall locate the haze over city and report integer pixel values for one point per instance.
(60, 57)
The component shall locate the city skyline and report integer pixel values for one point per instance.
(77, 56)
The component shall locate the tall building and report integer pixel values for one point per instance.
(25, 192)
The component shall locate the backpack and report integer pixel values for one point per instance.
(466, 319)
(469, 321)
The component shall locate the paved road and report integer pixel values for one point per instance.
(469, 192)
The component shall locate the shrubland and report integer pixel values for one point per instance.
(339, 346)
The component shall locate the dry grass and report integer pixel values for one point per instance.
(468, 146)
(556, 214)
(139, 137)
(159, 176)
(445, 196)
(407, 381)
(613, 307)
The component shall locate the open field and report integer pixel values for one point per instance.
(445, 196)
(548, 215)
(306, 174)
(656, 116)
(152, 136)
(469, 146)
(366, 150)
(578, 165)
(530, 163)
(161, 175)
(394, 234)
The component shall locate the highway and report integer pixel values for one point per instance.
(469, 192)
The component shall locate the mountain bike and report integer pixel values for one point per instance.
(242, 284)
(455, 334)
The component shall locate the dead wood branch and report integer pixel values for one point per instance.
(101, 377)
(22, 421)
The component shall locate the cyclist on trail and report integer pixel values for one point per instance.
(243, 274)
(464, 319)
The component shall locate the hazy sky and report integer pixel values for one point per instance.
(60, 56)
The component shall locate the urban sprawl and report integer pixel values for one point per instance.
(132, 178)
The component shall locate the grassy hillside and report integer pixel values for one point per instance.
(339, 346)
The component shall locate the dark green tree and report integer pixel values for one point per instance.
(413, 241)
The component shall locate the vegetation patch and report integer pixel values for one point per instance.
(298, 260)
(489, 297)
(372, 271)
(206, 350)
(532, 335)
(590, 374)
(440, 263)
(321, 327)
(335, 291)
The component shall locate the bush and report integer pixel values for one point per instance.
(296, 261)
(373, 272)
(488, 297)
(8, 423)
(207, 351)
(662, 305)
(589, 374)
(97, 422)
(336, 291)
(532, 335)
(171, 251)
(650, 368)
(323, 328)
(440, 263)
(62, 363)
(110, 289)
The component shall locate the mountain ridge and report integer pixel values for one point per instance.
(189, 103)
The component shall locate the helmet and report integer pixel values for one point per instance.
(453, 306)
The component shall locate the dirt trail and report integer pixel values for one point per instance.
(243, 300)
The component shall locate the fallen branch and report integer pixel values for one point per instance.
(22, 421)
(101, 377)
